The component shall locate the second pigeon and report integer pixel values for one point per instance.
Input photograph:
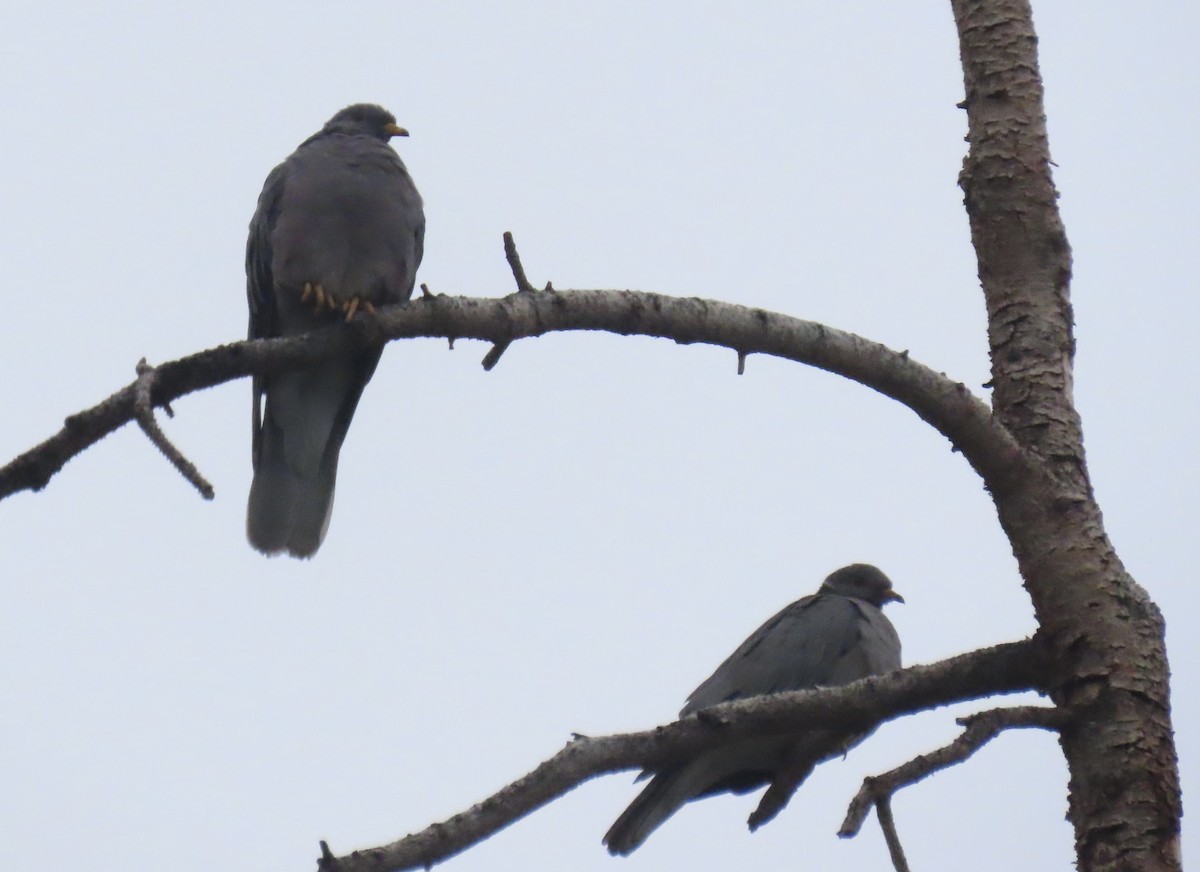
(836, 636)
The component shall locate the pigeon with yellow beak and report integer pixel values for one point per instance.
(338, 231)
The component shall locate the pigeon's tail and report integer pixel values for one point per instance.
(296, 455)
(286, 511)
(666, 794)
(662, 797)
(738, 768)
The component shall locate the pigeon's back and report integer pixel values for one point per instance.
(820, 641)
(354, 195)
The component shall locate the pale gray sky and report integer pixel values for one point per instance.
(573, 541)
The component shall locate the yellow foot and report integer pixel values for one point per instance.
(322, 300)
(318, 295)
(354, 304)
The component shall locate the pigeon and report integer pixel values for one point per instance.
(339, 230)
(836, 636)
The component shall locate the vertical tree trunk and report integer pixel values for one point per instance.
(1104, 634)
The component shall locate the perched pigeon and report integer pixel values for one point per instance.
(833, 637)
(339, 229)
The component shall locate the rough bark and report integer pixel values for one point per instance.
(1104, 635)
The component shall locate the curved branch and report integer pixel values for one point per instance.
(1008, 668)
(953, 410)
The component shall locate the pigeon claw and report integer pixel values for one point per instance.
(317, 293)
(322, 300)
(356, 304)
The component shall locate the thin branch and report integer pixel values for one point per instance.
(887, 823)
(980, 729)
(1003, 669)
(144, 411)
(946, 404)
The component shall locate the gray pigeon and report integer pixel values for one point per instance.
(339, 229)
(833, 637)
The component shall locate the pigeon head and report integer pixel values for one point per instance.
(862, 581)
(365, 119)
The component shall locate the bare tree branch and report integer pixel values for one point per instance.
(981, 728)
(948, 405)
(851, 708)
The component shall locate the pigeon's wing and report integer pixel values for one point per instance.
(819, 641)
(418, 212)
(260, 284)
(877, 651)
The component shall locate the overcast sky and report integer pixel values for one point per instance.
(575, 540)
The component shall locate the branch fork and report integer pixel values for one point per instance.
(980, 728)
(523, 287)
